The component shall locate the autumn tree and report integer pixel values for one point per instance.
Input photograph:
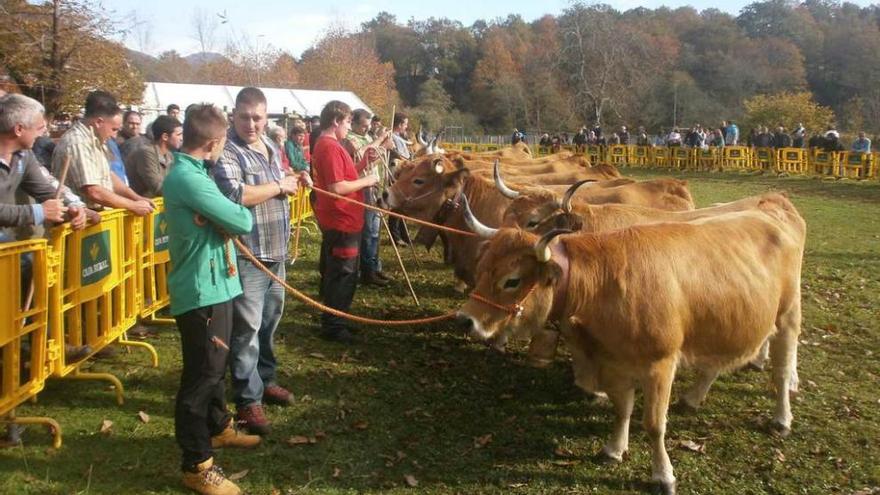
(605, 61)
(348, 62)
(59, 50)
(787, 109)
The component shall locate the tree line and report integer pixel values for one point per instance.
(590, 63)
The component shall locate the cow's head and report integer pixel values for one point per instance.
(541, 211)
(422, 186)
(515, 285)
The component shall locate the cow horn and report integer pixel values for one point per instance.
(499, 183)
(569, 193)
(542, 248)
(474, 224)
(421, 137)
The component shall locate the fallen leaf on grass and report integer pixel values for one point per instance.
(360, 425)
(239, 475)
(482, 441)
(505, 396)
(517, 485)
(567, 463)
(411, 480)
(144, 417)
(563, 452)
(692, 446)
(301, 440)
(337, 472)
(317, 355)
(779, 455)
(106, 425)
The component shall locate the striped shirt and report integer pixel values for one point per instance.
(88, 161)
(243, 165)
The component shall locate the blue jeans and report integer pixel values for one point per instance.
(370, 261)
(256, 315)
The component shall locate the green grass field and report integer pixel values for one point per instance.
(427, 403)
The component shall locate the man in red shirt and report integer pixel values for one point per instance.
(341, 222)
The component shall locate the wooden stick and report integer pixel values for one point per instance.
(29, 299)
(411, 246)
(63, 177)
(400, 260)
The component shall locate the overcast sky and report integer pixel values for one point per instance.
(295, 26)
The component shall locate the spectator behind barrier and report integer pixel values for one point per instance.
(173, 110)
(83, 148)
(148, 165)
(130, 137)
(21, 121)
(862, 144)
(294, 149)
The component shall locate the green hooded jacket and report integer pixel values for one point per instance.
(199, 272)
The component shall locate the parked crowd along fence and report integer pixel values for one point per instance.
(843, 164)
(82, 288)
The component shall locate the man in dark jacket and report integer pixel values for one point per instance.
(781, 139)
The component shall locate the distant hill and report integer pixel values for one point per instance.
(201, 58)
(173, 68)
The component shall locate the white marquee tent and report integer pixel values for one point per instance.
(305, 102)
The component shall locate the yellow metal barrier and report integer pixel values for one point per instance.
(661, 157)
(617, 154)
(735, 158)
(681, 158)
(26, 352)
(824, 163)
(763, 158)
(94, 298)
(155, 263)
(640, 156)
(707, 159)
(854, 165)
(596, 154)
(541, 150)
(791, 160)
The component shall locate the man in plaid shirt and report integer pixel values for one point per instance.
(249, 173)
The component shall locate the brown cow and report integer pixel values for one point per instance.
(665, 194)
(635, 303)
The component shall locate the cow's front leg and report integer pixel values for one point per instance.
(658, 387)
(622, 396)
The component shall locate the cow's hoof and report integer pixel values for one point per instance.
(754, 367)
(606, 457)
(664, 488)
(683, 407)
(780, 430)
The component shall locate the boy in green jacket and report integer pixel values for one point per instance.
(202, 284)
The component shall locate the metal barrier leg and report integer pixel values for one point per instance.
(155, 320)
(78, 374)
(51, 424)
(143, 345)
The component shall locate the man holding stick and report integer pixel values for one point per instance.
(357, 143)
(341, 222)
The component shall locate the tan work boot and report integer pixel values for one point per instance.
(232, 437)
(209, 480)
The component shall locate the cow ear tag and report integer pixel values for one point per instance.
(438, 167)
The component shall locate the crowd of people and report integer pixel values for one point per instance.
(222, 177)
(700, 137)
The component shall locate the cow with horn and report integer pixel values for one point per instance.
(634, 304)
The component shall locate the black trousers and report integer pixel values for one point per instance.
(200, 408)
(339, 269)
